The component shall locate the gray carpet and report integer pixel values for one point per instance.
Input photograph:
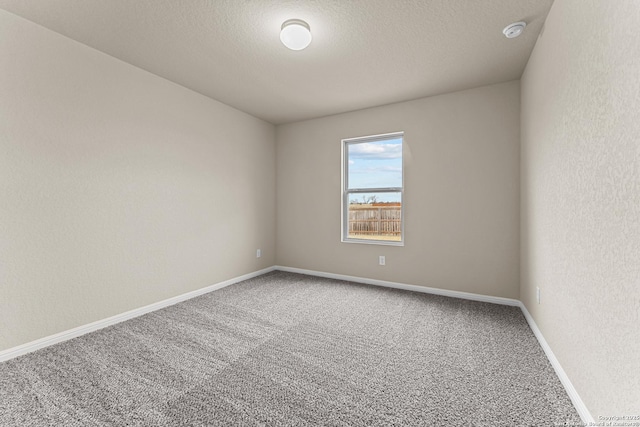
(289, 350)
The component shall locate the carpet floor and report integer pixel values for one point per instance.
(285, 349)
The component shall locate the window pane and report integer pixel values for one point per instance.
(375, 216)
(375, 164)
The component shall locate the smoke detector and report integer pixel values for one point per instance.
(514, 30)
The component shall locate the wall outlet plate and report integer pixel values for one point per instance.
(258, 253)
(381, 260)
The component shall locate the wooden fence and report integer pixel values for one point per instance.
(372, 220)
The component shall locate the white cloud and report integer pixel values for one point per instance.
(377, 169)
(373, 151)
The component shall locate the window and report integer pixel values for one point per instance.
(372, 189)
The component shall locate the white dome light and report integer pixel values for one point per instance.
(514, 30)
(295, 34)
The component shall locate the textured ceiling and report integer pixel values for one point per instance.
(364, 53)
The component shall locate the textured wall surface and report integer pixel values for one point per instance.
(581, 197)
(117, 188)
(461, 192)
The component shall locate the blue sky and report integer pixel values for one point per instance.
(375, 165)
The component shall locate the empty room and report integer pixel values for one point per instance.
(320, 212)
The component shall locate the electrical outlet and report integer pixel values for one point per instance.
(381, 260)
(538, 294)
(258, 253)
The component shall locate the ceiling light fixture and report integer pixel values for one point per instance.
(295, 34)
(514, 30)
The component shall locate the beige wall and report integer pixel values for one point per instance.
(117, 188)
(581, 197)
(461, 192)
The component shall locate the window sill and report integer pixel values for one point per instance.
(374, 242)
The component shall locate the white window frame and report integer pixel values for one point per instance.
(346, 192)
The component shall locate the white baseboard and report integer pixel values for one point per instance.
(94, 326)
(584, 413)
(564, 379)
(406, 287)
